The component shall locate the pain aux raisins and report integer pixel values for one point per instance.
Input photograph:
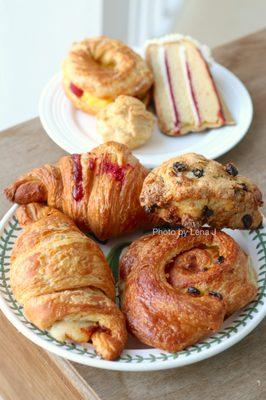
(179, 167)
(231, 169)
(193, 291)
(198, 172)
(216, 294)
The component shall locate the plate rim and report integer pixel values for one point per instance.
(213, 155)
(124, 366)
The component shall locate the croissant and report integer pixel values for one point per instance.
(98, 190)
(178, 288)
(64, 283)
(192, 190)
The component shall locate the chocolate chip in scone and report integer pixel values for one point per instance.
(179, 167)
(198, 172)
(193, 291)
(216, 294)
(207, 212)
(150, 209)
(231, 169)
(247, 221)
(220, 260)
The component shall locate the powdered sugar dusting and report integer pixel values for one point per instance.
(177, 37)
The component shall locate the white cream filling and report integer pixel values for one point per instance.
(161, 61)
(176, 37)
(70, 329)
(183, 58)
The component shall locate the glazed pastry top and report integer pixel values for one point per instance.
(64, 283)
(99, 190)
(49, 248)
(179, 287)
(106, 68)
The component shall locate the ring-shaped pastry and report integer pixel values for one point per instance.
(98, 70)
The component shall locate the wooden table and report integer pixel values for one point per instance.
(29, 373)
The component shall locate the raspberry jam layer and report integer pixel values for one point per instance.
(114, 169)
(171, 90)
(78, 191)
(77, 91)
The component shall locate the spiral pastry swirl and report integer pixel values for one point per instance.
(178, 290)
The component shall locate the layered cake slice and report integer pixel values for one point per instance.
(185, 94)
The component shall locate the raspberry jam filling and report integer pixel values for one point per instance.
(114, 169)
(78, 191)
(77, 91)
(90, 330)
(167, 67)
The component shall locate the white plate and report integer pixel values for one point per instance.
(75, 131)
(136, 356)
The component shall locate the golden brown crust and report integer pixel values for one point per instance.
(126, 121)
(58, 272)
(107, 68)
(192, 190)
(178, 289)
(108, 181)
(46, 251)
(77, 101)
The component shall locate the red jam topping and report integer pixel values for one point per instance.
(114, 169)
(78, 191)
(77, 91)
(177, 121)
(91, 163)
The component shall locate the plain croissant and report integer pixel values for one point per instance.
(98, 190)
(63, 281)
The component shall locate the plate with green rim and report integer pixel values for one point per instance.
(136, 356)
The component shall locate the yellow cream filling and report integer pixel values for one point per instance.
(92, 101)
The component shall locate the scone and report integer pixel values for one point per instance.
(126, 121)
(192, 190)
(185, 94)
(97, 70)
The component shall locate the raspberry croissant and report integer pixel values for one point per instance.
(98, 190)
(177, 290)
(192, 190)
(64, 283)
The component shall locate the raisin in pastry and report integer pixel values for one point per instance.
(192, 190)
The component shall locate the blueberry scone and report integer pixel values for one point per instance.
(191, 190)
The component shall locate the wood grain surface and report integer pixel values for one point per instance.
(27, 372)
